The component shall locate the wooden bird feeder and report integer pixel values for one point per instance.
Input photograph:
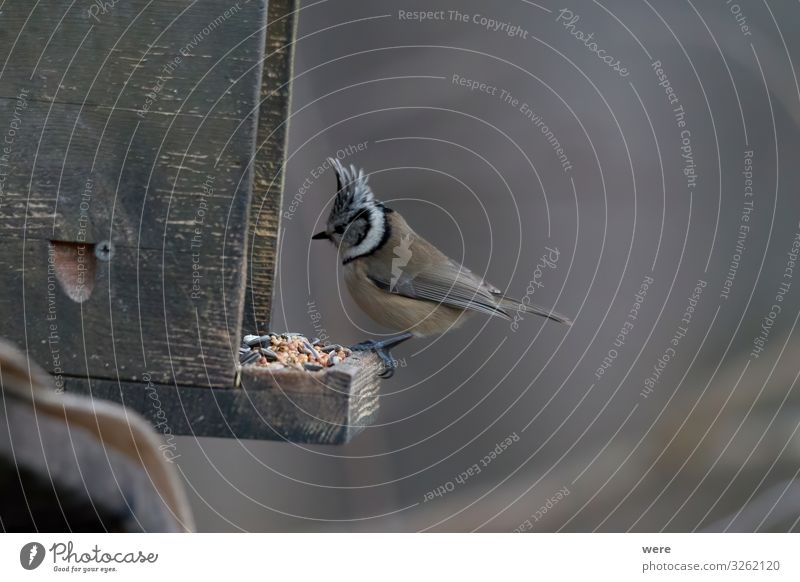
(141, 174)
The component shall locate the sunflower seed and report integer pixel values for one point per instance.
(254, 355)
(311, 350)
(255, 340)
(269, 354)
(290, 350)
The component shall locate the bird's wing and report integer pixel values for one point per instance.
(412, 267)
(451, 284)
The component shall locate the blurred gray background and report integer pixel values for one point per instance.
(713, 444)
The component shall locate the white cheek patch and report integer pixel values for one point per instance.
(372, 241)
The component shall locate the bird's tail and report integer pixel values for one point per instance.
(514, 306)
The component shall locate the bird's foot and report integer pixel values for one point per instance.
(381, 348)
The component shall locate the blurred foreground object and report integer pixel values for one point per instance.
(68, 463)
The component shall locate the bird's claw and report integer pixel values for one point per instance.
(381, 349)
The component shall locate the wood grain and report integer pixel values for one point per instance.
(166, 187)
(87, 175)
(140, 318)
(270, 155)
(327, 407)
(195, 60)
(171, 161)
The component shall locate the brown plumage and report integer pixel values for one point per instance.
(396, 276)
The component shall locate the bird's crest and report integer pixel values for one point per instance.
(352, 190)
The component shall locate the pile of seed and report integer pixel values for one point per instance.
(290, 350)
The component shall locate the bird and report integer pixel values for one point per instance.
(400, 279)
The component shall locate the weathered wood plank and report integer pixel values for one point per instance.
(327, 407)
(199, 58)
(113, 138)
(89, 175)
(143, 315)
(265, 206)
(167, 177)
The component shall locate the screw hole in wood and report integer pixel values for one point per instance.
(104, 250)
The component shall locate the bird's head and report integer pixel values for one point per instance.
(357, 223)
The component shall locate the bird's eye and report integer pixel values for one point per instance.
(339, 230)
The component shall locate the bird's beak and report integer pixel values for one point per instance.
(321, 236)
